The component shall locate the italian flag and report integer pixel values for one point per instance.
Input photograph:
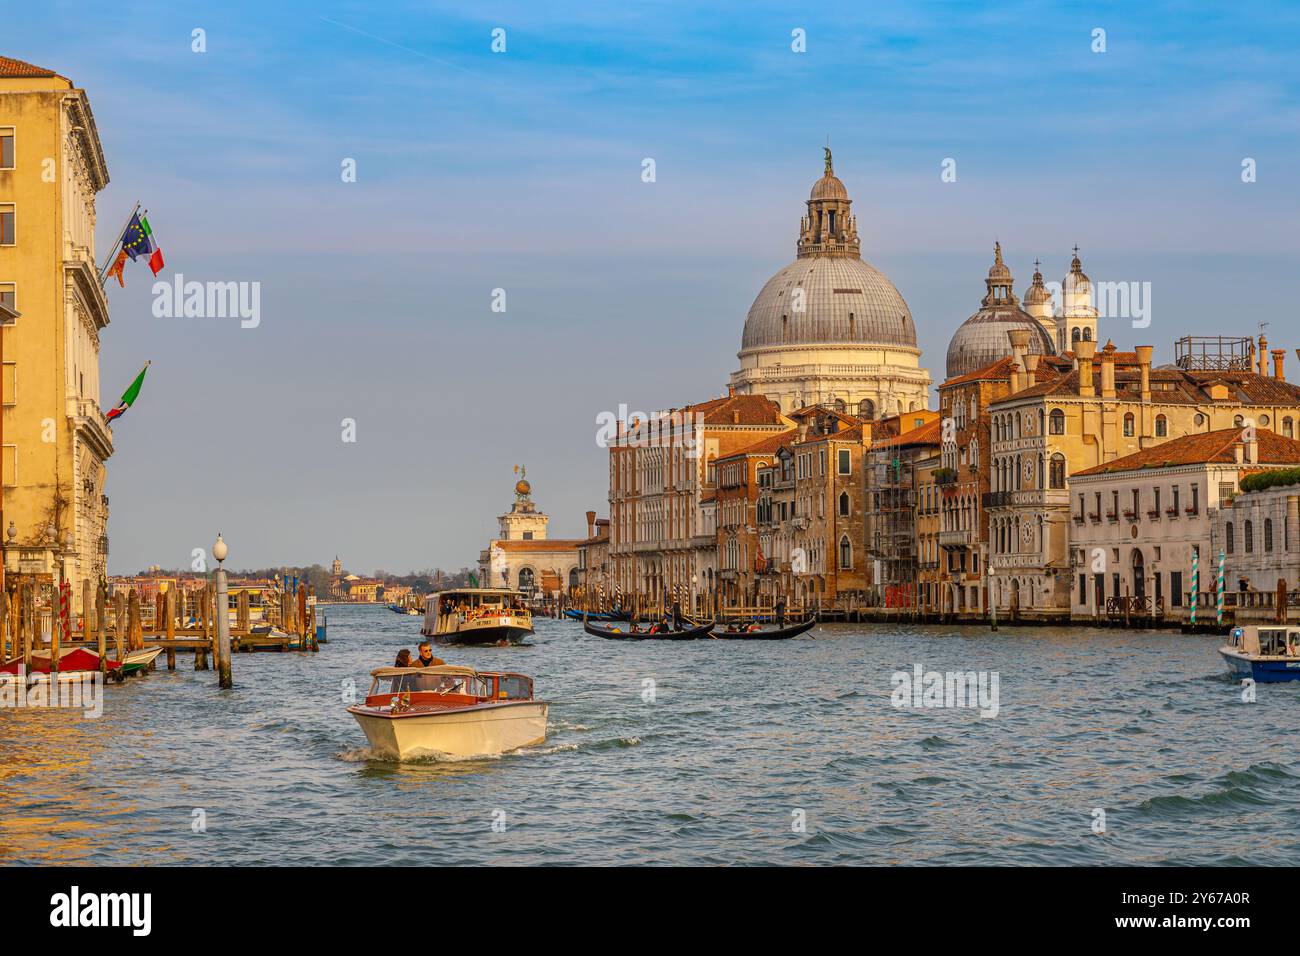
(156, 259)
(129, 396)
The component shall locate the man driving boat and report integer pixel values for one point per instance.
(426, 658)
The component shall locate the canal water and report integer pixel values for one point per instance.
(712, 752)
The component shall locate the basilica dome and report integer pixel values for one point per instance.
(982, 339)
(828, 300)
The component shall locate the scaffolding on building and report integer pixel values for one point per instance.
(890, 516)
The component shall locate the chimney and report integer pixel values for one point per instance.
(1144, 367)
(1108, 371)
(1279, 357)
(1239, 452)
(1252, 447)
(735, 416)
(731, 391)
(1031, 369)
(1015, 377)
(1085, 350)
(591, 524)
(1019, 346)
(1263, 355)
(803, 431)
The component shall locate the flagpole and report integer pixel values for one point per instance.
(103, 270)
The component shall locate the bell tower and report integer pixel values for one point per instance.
(829, 229)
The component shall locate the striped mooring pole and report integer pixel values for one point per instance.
(1196, 584)
(1219, 604)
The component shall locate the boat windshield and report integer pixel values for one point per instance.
(1276, 642)
(462, 684)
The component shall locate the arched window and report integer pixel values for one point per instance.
(1229, 538)
(846, 552)
(1162, 426)
(1058, 471)
(844, 503)
(1128, 425)
(526, 579)
(838, 405)
(1288, 428)
(1056, 422)
(1017, 467)
(1087, 335)
(1238, 421)
(1075, 335)
(866, 409)
(1268, 534)
(1042, 477)
(573, 578)
(1248, 536)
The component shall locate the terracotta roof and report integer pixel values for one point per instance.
(9, 67)
(925, 435)
(765, 446)
(545, 544)
(739, 410)
(1217, 447)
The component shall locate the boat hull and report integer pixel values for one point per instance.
(494, 634)
(1265, 671)
(459, 732)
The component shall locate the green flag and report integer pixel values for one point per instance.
(129, 396)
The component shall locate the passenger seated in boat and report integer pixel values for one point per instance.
(633, 629)
(426, 658)
(403, 658)
(731, 629)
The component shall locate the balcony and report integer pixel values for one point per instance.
(92, 426)
(956, 539)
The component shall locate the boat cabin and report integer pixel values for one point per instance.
(445, 685)
(1267, 641)
(453, 610)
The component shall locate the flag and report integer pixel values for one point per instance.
(116, 271)
(135, 238)
(129, 396)
(156, 258)
(473, 580)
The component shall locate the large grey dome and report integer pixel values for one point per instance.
(845, 300)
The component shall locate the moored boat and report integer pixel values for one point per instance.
(75, 664)
(137, 661)
(477, 616)
(456, 711)
(1266, 654)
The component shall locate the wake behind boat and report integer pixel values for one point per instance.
(477, 616)
(1267, 655)
(457, 711)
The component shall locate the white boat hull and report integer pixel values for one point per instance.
(459, 732)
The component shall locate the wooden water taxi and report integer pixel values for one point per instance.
(477, 616)
(456, 711)
(1266, 654)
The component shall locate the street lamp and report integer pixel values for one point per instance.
(993, 598)
(222, 608)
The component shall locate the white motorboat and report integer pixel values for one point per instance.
(449, 710)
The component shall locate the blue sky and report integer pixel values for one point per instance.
(522, 171)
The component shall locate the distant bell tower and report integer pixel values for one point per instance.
(523, 522)
(1078, 319)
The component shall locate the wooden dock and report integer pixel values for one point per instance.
(175, 621)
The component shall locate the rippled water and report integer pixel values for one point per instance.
(1146, 726)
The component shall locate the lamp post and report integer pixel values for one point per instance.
(224, 680)
(993, 598)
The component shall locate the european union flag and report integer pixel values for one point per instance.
(135, 240)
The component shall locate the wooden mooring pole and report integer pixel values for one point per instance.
(221, 609)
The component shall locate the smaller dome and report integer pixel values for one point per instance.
(1037, 293)
(829, 187)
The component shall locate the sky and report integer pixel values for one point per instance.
(522, 170)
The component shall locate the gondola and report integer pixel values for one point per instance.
(780, 634)
(689, 634)
(574, 614)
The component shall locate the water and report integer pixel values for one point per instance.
(1146, 726)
